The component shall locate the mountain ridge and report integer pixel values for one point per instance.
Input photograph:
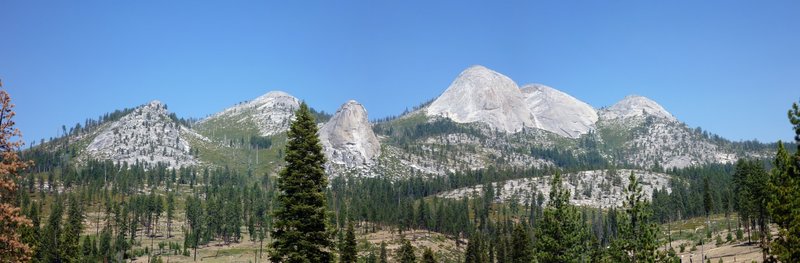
(469, 127)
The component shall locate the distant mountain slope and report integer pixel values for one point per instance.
(595, 188)
(482, 120)
(559, 112)
(267, 115)
(466, 129)
(635, 106)
(479, 94)
(145, 135)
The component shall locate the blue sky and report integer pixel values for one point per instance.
(731, 67)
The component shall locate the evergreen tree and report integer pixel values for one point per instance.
(422, 215)
(87, 248)
(299, 229)
(522, 249)
(105, 244)
(52, 233)
(708, 202)
(476, 251)
(194, 216)
(121, 243)
(637, 234)
(784, 204)
(348, 251)
(427, 256)
(752, 181)
(34, 232)
(406, 252)
(561, 234)
(384, 255)
(170, 212)
(372, 258)
(70, 238)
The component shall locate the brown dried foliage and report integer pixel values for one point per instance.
(11, 220)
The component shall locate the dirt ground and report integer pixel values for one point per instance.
(247, 251)
(738, 252)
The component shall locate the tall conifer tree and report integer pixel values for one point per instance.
(561, 234)
(300, 230)
(784, 204)
(349, 253)
(522, 251)
(637, 233)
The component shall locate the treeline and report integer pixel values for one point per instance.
(124, 204)
(404, 113)
(688, 190)
(567, 158)
(404, 135)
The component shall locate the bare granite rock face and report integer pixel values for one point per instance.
(558, 112)
(348, 139)
(481, 95)
(147, 136)
(271, 113)
(594, 188)
(653, 137)
(635, 106)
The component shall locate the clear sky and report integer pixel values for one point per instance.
(731, 67)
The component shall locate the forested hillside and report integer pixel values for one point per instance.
(437, 190)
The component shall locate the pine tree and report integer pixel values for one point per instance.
(194, 216)
(406, 252)
(121, 243)
(299, 228)
(70, 237)
(422, 215)
(522, 249)
(427, 256)
(349, 253)
(708, 202)
(372, 258)
(561, 233)
(87, 248)
(476, 250)
(784, 201)
(170, 212)
(637, 234)
(50, 243)
(11, 220)
(34, 232)
(384, 257)
(105, 244)
(752, 181)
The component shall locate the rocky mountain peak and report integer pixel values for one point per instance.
(634, 106)
(479, 94)
(146, 135)
(559, 112)
(271, 113)
(348, 138)
(154, 104)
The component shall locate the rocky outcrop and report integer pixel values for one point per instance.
(594, 188)
(348, 139)
(635, 106)
(558, 112)
(146, 136)
(481, 95)
(271, 113)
